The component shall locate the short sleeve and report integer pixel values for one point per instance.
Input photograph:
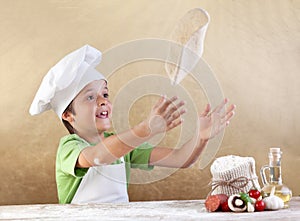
(140, 156)
(69, 150)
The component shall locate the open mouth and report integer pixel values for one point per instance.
(102, 115)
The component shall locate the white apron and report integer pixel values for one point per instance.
(103, 184)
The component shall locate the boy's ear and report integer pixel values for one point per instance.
(67, 116)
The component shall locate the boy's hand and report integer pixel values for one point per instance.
(165, 115)
(212, 122)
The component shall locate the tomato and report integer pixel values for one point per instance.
(254, 193)
(225, 207)
(260, 205)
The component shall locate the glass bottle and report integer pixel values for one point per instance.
(275, 178)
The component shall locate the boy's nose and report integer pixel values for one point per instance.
(101, 101)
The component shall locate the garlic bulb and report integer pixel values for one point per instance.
(273, 202)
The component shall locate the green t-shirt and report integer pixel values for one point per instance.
(68, 177)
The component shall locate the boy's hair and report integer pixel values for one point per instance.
(66, 123)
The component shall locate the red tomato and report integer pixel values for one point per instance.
(225, 207)
(254, 193)
(260, 205)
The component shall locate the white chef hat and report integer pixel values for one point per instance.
(66, 79)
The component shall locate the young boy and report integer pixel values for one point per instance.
(93, 166)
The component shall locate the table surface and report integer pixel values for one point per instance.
(150, 210)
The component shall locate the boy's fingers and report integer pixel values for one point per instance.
(206, 110)
(176, 115)
(219, 107)
(173, 109)
(228, 117)
(159, 102)
(165, 104)
(174, 124)
(229, 110)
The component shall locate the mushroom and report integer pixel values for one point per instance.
(236, 204)
(250, 207)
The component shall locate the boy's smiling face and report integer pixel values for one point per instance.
(92, 111)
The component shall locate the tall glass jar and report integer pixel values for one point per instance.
(275, 178)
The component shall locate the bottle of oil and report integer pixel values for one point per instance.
(275, 178)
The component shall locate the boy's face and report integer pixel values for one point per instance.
(92, 110)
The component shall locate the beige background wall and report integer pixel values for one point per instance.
(252, 46)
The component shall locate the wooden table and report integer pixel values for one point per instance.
(153, 210)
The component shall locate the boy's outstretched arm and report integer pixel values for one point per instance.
(165, 115)
(210, 123)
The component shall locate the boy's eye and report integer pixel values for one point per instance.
(106, 95)
(90, 98)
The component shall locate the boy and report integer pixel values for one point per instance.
(92, 166)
